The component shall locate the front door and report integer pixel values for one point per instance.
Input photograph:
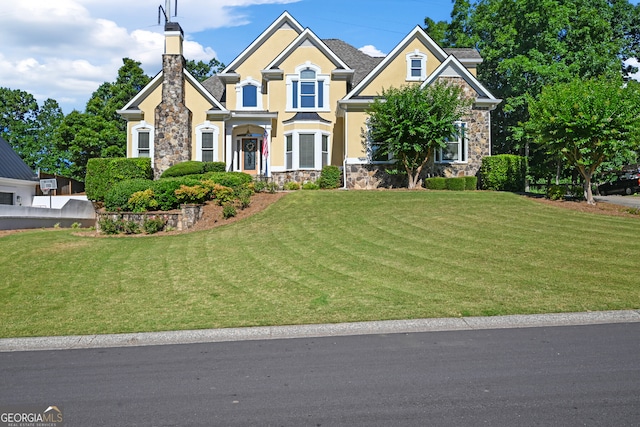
(249, 150)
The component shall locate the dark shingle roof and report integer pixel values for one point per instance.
(306, 117)
(215, 86)
(12, 166)
(360, 62)
(463, 53)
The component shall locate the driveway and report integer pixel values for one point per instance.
(630, 201)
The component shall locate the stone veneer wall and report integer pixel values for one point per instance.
(173, 119)
(301, 177)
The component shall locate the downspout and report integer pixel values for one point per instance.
(346, 148)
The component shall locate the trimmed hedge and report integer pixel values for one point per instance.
(504, 172)
(228, 179)
(117, 198)
(471, 182)
(103, 174)
(193, 167)
(436, 183)
(456, 184)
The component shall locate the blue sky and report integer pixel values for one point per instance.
(64, 49)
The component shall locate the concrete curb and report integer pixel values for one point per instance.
(312, 331)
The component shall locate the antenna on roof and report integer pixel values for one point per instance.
(166, 10)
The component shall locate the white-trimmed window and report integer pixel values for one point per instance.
(249, 95)
(416, 66)
(308, 89)
(143, 140)
(375, 153)
(206, 142)
(306, 150)
(456, 150)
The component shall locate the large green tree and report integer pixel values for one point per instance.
(203, 70)
(409, 123)
(528, 44)
(587, 122)
(28, 127)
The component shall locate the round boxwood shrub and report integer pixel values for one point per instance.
(435, 183)
(191, 167)
(214, 167)
(165, 191)
(330, 177)
(117, 198)
(228, 179)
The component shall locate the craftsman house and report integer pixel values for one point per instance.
(291, 103)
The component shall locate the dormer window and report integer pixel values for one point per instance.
(416, 66)
(248, 95)
(307, 90)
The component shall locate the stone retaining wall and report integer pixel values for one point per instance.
(178, 220)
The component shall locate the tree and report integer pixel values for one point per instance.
(586, 121)
(410, 123)
(456, 33)
(202, 71)
(527, 44)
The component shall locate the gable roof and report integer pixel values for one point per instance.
(307, 37)
(451, 67)
(284, 20)
(12, 166)
(417, 32)
(132, 109)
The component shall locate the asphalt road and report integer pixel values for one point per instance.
(545, 376)
(630, 201)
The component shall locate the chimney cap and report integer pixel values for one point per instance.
(173, 26)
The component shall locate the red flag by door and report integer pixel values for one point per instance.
(265, 145)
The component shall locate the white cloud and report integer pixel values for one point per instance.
(372, 51)
(65, 49)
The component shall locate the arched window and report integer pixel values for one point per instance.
(416, 66)
(249, 95)
(142, 141)
(207, 142)
(308, 89)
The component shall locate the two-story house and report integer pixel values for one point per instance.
(291, 103)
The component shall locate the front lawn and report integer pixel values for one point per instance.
(326, 256)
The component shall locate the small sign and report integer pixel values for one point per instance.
(48, 184)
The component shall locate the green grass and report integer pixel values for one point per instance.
(326, 256)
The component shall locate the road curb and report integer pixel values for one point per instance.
(312, 331)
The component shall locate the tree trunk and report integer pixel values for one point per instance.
(588, 194)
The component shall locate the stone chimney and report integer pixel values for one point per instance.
(172, 118)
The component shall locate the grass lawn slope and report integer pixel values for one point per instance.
(326, 256)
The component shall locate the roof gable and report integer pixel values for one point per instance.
(308, 38)
(417, 34)
(12, 166)
(452, 67)
(284, 21)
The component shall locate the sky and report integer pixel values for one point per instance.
(65, 49)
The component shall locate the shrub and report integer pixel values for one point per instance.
(165, 191)
(153, 225)
(190, 167)
(272, 187)
(142, 201)
(228, 210)
(223, 195)
(330, 177)
(244, 196)
(228, 179)
(455, 184)
(214, 167)
(103, 174)
(110, 226)
(556, 192)
(130, 227)
(470, 182)
(192, 194)
(310, 186)
(436, 183)
(504, 172)
(117, 198)
(260, 186)
(291, 186)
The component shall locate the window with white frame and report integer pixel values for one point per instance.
(456, 147)
(248, 95)
(143, 140)
(308, 89)
(306, 150)
(206, 141)
(375, 152)
(416, 66)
